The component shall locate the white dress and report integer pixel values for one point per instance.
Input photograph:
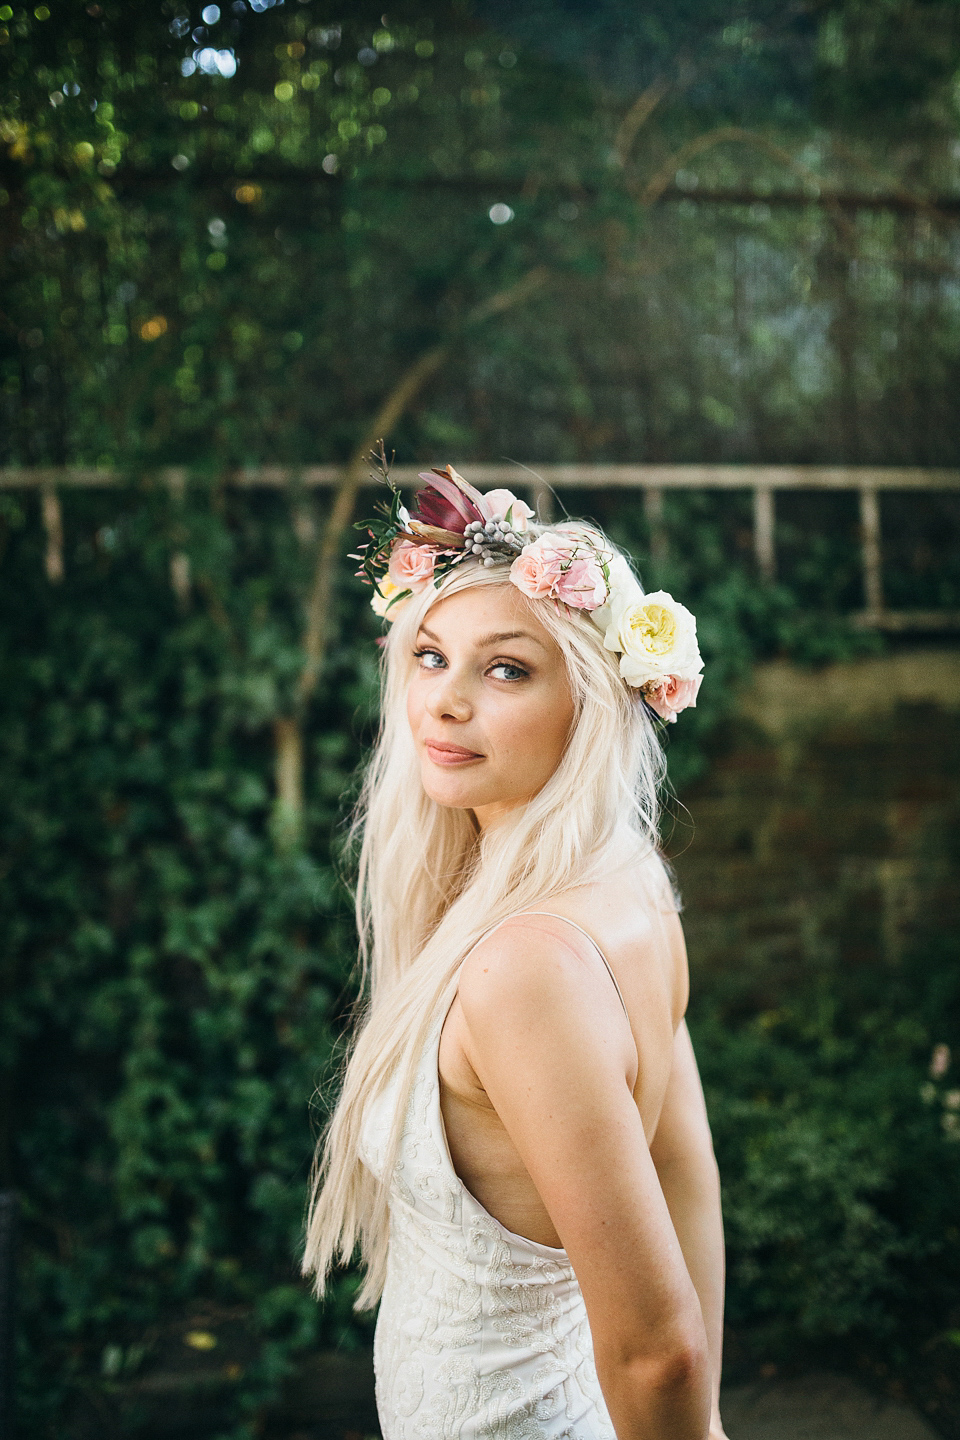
(482, 1334)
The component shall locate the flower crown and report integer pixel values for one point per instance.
(570, 563)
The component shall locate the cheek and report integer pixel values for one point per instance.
(414, 705)
(552, 739)
(539, 736)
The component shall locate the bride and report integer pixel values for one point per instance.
(520, 1147)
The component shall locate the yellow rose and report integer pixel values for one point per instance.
(656, 636)
(386, 592)
(652, 628)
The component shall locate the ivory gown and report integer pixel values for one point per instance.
(482, 1334)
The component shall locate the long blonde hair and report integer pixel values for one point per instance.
(429, 886)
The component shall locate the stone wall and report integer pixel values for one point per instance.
(828, 828)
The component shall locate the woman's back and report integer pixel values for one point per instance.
(626, 923)
(482, 1332)
(483, 1328)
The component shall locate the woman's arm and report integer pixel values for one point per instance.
(548, 1040)
(682, 1151)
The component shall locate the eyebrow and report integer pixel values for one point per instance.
(497, 638)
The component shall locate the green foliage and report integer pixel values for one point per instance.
(229, 270)
(174, 984)
(840, 1155)
(177, 978)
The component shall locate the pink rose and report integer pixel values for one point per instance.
(411, 566)
(502, 501)
(562, 565)
(533, 572)
(581, 585)
(671, 695)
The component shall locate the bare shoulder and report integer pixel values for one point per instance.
(535, 1008)
(632, 914)
(531, 963)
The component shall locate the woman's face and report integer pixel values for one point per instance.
(489, 706)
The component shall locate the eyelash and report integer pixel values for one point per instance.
(522, 674)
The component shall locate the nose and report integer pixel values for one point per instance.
(447, 699)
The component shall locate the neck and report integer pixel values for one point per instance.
(498, 812)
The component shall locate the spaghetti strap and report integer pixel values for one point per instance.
(553, 916)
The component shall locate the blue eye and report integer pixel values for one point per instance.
(518, 673)
(426, 657)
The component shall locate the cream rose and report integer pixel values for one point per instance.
(385, 592)
(656, 637)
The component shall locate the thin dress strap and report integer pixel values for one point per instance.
(554, 916)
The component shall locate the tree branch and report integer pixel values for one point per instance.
(655, 187)
(316, 631)
(637, 116)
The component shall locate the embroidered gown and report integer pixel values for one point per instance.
(482, 1334)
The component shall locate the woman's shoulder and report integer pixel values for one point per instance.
(631, 903)
(623, 920)
(631, 916)
(522, 947)
(531, 963)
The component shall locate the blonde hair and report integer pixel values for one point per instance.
(429, 887)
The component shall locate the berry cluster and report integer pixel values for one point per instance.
(493, 542)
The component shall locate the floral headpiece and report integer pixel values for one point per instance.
(570, 563)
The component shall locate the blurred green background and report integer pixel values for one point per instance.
(266, 232)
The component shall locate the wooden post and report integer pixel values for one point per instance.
(288, 777)
(870, 543)
(763, 533)
(53, 525)
(175, 477)
(180, 575)
(653, 513)
(304, 522)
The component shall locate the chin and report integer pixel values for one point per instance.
(451, 791)
(452, 797)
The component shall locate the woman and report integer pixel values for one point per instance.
(521, 1146)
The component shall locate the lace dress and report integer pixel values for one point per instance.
(482, 1334)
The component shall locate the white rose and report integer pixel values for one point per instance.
(624, 588)
(655, 636)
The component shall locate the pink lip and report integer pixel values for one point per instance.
(441, 752)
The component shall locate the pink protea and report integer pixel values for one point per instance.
(447, 502)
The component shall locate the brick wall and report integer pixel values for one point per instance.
(828, 828)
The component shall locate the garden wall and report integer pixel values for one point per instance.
(828, 827)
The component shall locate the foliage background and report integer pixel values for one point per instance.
(727, 232)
